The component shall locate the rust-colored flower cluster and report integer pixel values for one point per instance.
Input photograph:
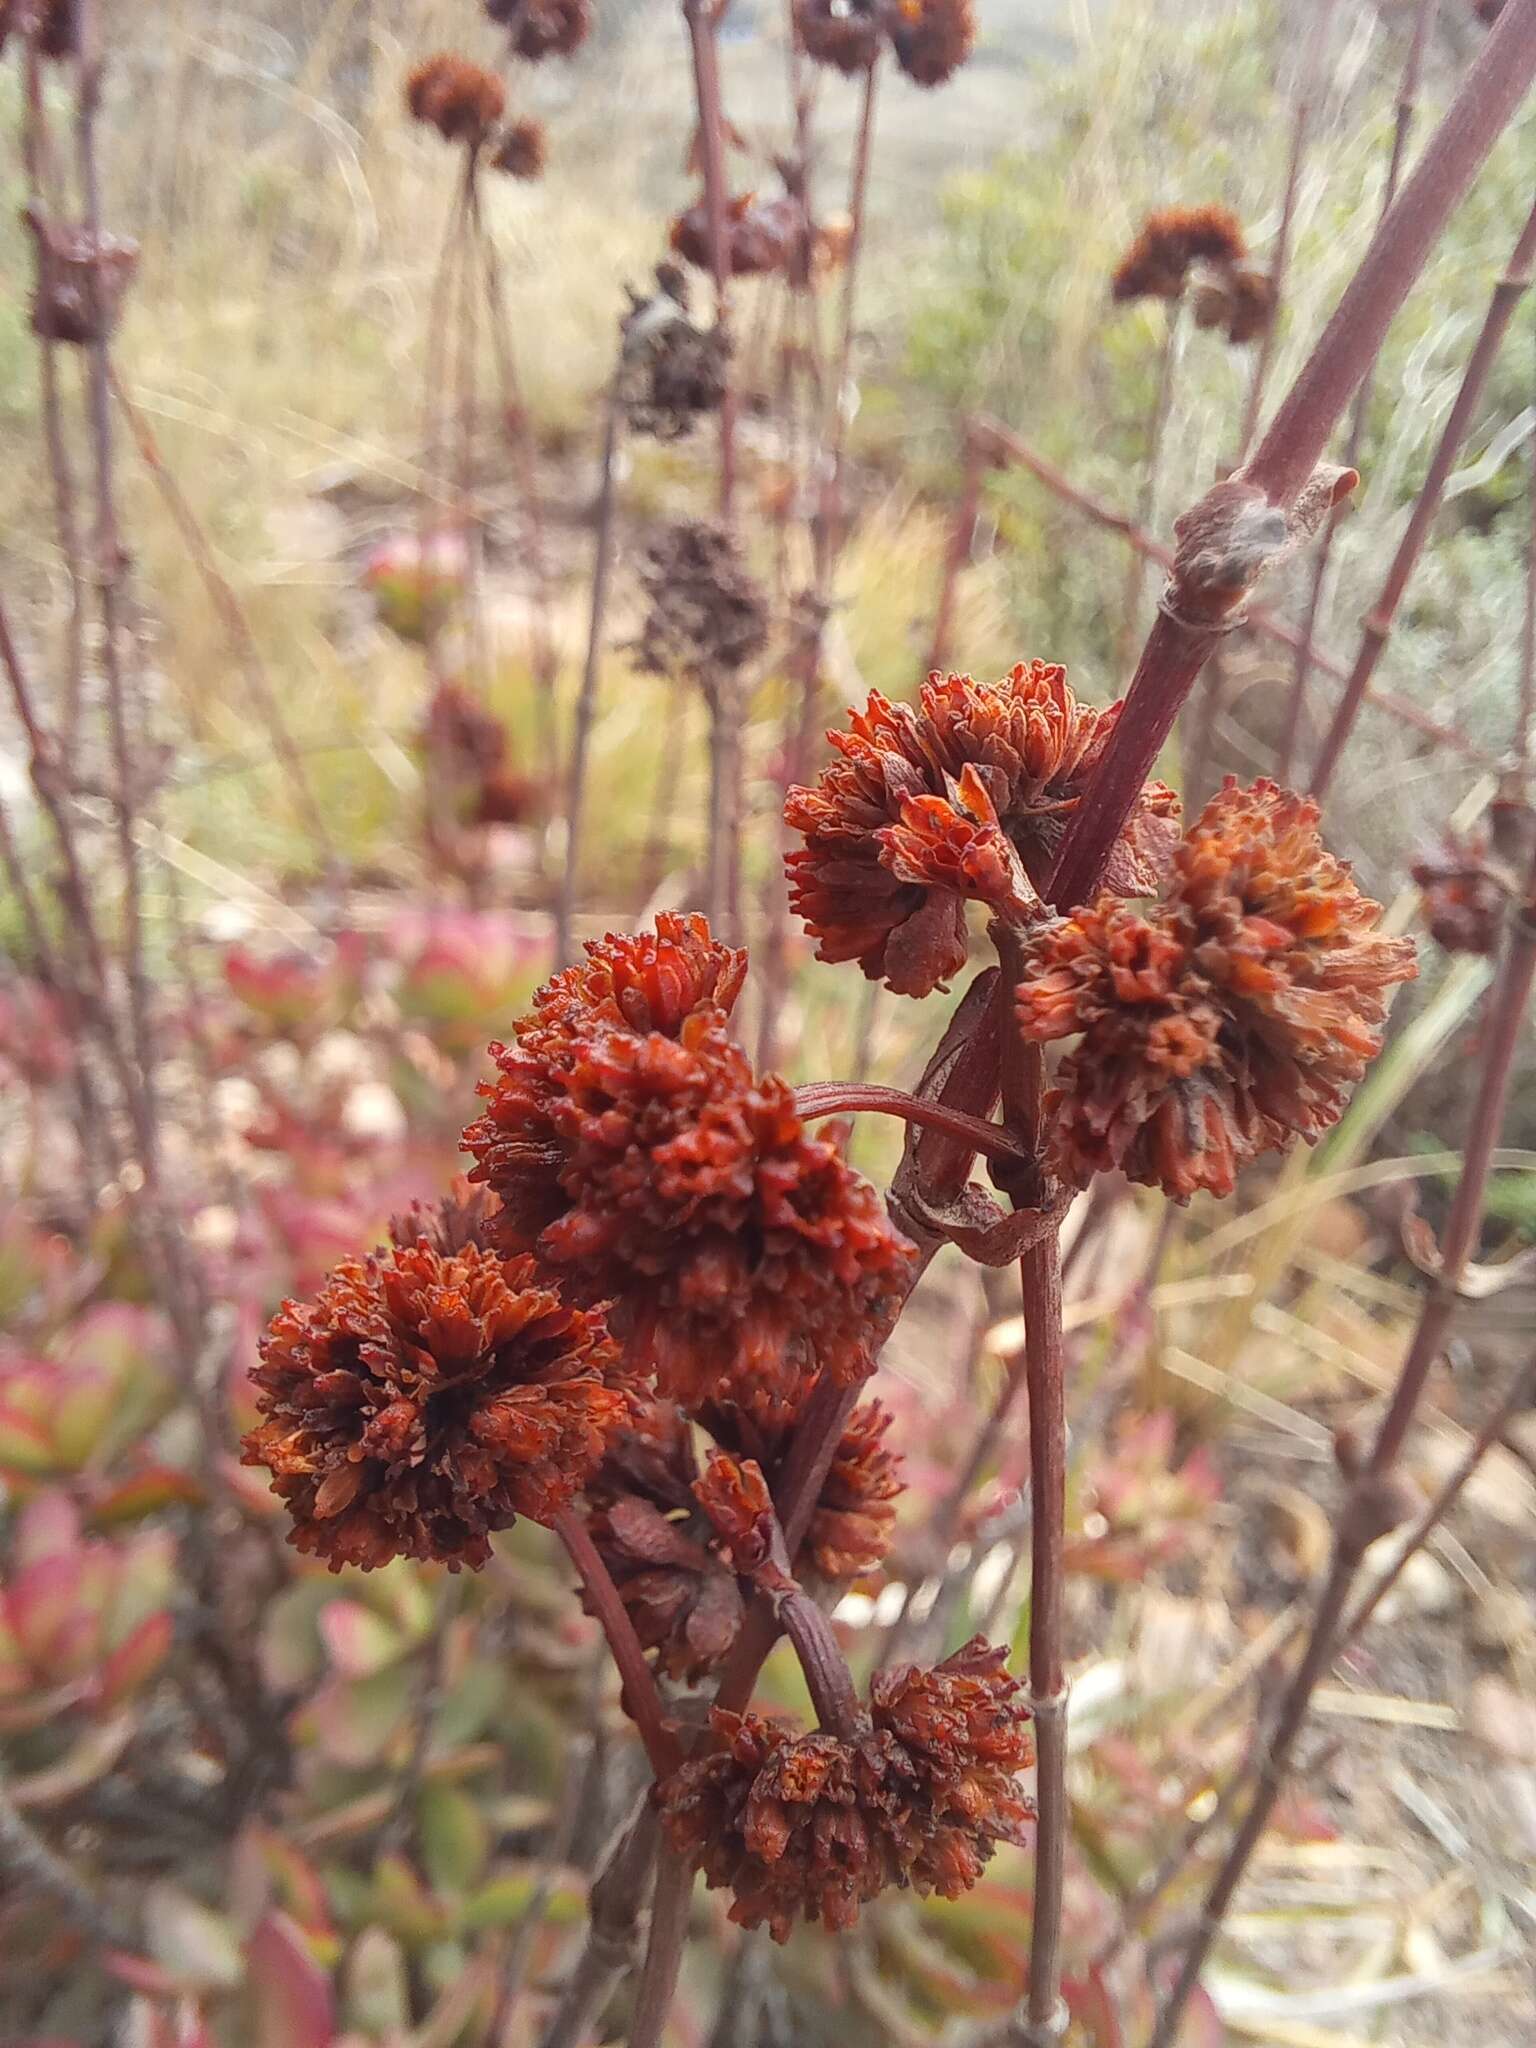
(965, 795)
(706, 615)
(845, 35)
(673, 373)
(543, 28)
(467, 753)
(635, 1149)
(1224, 1020)
(461, 100)
(933, 38)
(669, 1558)
(1168, 245)
(426, 1398)
(1240, 300)
(815, 1826)
(81, 280)
(761, 235)
(1465, 895)
(522, 149)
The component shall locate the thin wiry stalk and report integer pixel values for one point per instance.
(670, 1905)
(1238, 529)
(962, 539)
(436, 378)
(586, 696)
(702, 20)
(1317, 32)
(618, 1892)
(1368, 1498)
(1402, 125)
(1378, 624)
(830, 517)
(642, 1700)
(1005, 446)
(1525, 699)
(1151, 473)
(222, 595)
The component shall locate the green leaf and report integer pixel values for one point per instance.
(455, 1841)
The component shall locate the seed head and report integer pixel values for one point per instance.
(933, 38)
(1226, 1019)
(543, 28)
(522, 150)
(1168, 243)
(461, 100)
(707, 614)
(843, 34)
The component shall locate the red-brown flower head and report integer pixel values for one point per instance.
(424, 1400)
(844, 34)
(461, 100)
(1465, 896)
(706, 612)
(815, 1826)
(761, 235)
(543, 28)
(1168, 243)
(650, 1165)
(933, 38)
(1226, 1019)
(522, 149)
(1241, 300)
(961, 796)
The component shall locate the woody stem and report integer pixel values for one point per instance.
(842, 1098)
(641, 1698)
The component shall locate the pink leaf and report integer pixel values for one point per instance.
(293, 2005)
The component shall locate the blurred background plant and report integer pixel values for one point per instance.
(244, 1801)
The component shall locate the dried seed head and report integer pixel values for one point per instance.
(1466, 895)
(761, 235)
(81, 280)
(461, 100)
(653, 1169)
(458, 1222)
(1225, 1020)
(815, 1826)
(844, 34)
(1168, 243)
(426, 1399)
(1241, 300)
(522, 150)
(965, 795)
(933, 38)
(708, 617)
(673, 373)
(543, 28)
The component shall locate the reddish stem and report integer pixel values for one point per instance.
(848, 1098)
(670, 1903)
(1378, 625)
(641, 1698)
(701, 19)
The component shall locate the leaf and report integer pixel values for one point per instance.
(356, 1718)
(453, 1836)
(292, 2005)
(359, 1642)
(136, 1659)
(378, 1995)
(504, 1901)
(24, 1447)
(190, 1941)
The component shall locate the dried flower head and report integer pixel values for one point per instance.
(543, 28)
(81, 281)
(641, 982)
(1225, 1020)
(522, 150)
(1240, 299)
(964, 795)
(761, 235)
(457, 1222)
(706, 614)
(1465, 894)
(653, 1168)
(1168, 243)
(673, 373)
(844, 34)
(54, 24)
(815, 1826)
(424, 1400)
(933, 38)
(461, 100)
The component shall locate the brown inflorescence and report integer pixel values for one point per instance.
(471, 779)
(649, 1164)
(1240, 300)
(522, 149)
(461, 100)
(1169, 243)
(761, 235)
(672, 372)
(706, 613)
(932, 38)
(843, 34)
(457, 1222)
(543, 28)
(962, 795)
(1465, 898)
(82, 278)
(815, 1826)
(425, 1400)
(1225, 1019)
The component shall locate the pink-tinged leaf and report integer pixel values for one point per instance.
(136, 1659)
(140, 1974)
(15, 1671)
(1201, 2026)
(359, 1642)
(292, 2002)
(25, 1450)
(146, 1492)
(402, 1902)
(86, 1406)
(46, 1527)
(51, 1618)
(355, 1718)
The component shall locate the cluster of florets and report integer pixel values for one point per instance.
(522, 149)
(1466, 894)
(931, 39)
(760, 236)
(656, 1529)
(672, 372)
(467, 751)
(461, 100)
(636, 1151)
(815, 1826)
(1222, 1020)
(1177, 240)
(964, 796)
(543, 28)
(707, 616)
(428, 1397)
